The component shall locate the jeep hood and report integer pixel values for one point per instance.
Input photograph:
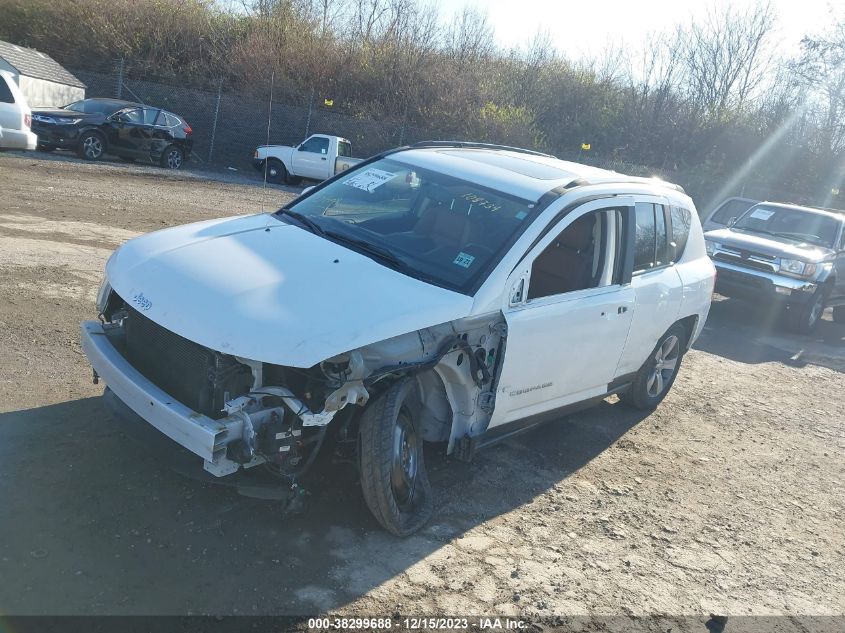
(769, 245)
(261, 289)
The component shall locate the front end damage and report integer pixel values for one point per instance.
(240, 413)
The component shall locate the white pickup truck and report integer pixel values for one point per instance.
(318, 157)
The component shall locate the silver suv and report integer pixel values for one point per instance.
(784, 254)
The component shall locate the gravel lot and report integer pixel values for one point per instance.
(728, 499)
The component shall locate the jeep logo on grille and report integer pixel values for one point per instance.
(142, 302)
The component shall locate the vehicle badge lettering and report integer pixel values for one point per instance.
(142, 302)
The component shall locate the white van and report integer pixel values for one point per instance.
(15, 116)
(452, 293)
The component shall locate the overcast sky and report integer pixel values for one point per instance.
(581, 27)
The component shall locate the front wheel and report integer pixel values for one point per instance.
(91, 146)
(803, 319)
(655, 378)
(275, 172)
(393, 477)
(172, 158)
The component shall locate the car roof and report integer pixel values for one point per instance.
(118, 103)
(838, 214)
(521, 173)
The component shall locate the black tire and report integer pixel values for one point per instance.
(651, 384)
(803, 318)
(275, 172)
(127, 159)
(393, 477)
(172, 157)
(839, 314)
(92, 146)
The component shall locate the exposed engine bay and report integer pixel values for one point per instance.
(280, 416)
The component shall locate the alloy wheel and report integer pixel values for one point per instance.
(92, 147)
(665, 363)
(405, 461)
(174, 159)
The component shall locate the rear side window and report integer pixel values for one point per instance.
(681, 221)
(644, 240)
(150, 115)
(173, 120)
(344, 149)
(6, 95)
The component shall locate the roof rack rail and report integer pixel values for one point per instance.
(474, 145)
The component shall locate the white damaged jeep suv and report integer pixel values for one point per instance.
(444, 292)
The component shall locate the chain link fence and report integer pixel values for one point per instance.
(228, 125)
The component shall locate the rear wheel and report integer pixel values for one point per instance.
(655, 378)
(393, 477)
(274, 171)
(172, 158)
(839, 314)
(92, 146)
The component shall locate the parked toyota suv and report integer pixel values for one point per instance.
(446, 292)
(15, 116)
(784, 255)
(96, 127)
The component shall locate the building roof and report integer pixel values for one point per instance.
(528, 175)
(32, 63)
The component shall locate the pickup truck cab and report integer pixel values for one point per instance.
(784, 255)
(318, 157)
(452, 293)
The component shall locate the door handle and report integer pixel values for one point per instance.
(323, 158)
(622, 310)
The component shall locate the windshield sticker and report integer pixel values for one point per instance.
(464, 260)
(521, 215)
(484, 203)
(369, 180)
(761, 214)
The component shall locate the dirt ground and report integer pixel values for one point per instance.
(727, 499)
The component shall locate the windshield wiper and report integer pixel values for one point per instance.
(304, 219)
(369, 248)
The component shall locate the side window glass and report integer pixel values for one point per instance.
(681, 221)
(131, 116)
(316, 146)
(150, 116)
(644, 239)
(575, 260)
(661, 255)
(5, 92)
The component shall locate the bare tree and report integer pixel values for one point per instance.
(725, 57)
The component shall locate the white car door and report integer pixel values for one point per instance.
(311, 158)
(658, 289)
(563, 347)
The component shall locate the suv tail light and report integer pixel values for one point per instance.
(27, 120)
(187, 129)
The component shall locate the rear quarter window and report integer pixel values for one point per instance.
(6, 95)
(681, 222)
